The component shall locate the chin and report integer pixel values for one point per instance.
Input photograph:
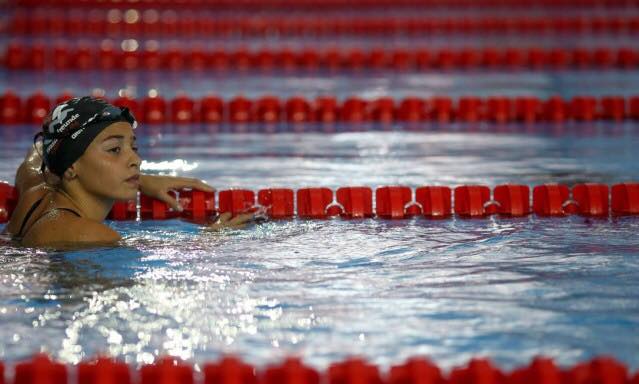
(124, 195)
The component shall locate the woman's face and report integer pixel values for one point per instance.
(110, 166)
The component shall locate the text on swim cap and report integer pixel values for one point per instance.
(71, 120)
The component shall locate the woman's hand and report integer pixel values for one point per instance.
(225, 220)
(159, 187)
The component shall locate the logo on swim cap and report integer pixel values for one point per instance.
(58, 117)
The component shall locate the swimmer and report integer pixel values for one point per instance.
(87, 160)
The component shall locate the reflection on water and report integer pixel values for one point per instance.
(508, 289)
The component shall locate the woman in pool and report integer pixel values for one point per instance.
(87, 159)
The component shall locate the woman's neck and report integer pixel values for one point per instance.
(90, 206)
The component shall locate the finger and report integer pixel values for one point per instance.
(261, 211)
(242, 219)
(170, 201)
(214, 227)
(187, 182)
(236, 226)
(224, 218)
(231, 225)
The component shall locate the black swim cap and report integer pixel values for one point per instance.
(71, 127)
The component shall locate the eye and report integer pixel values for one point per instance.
(135, 148)
(115, 150)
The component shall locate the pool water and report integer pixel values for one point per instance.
(507, 289)
(366, 84)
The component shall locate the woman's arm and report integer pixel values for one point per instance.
(29, 175)
(160, 186)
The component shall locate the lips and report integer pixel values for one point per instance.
(135, 179)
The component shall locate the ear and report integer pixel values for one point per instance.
(70, 173)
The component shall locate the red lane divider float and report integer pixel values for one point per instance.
(398, 202)
(129, 55)
(390, 202)
(8, 201)
(289, 5)
(133, 23)
(231, 370)
(328, 110)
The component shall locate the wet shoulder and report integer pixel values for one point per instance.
(63, 229)
(26, 201)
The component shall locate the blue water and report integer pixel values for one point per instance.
(507, 289)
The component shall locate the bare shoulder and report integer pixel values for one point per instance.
(25, 202)
(62, 229)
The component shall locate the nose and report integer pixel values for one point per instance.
(135, 160)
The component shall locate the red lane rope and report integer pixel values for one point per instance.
(231, 370)
(128, 56)
(390, 202)
(327, 4)
(328, 110)
(171, 24)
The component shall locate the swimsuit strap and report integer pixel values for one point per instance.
(21, 235)
(28, 216)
